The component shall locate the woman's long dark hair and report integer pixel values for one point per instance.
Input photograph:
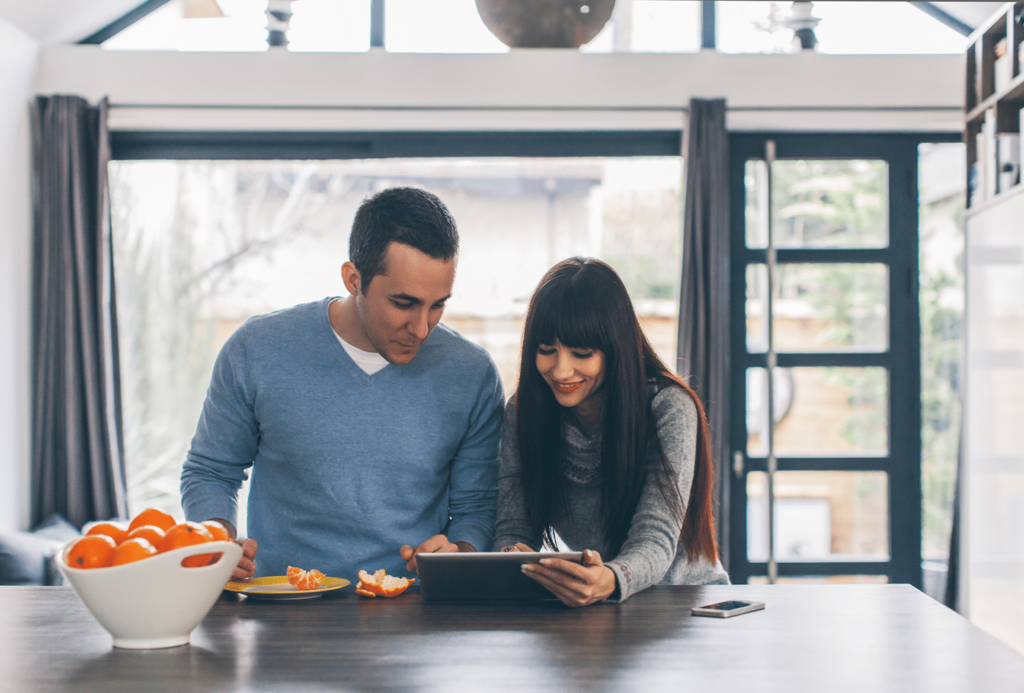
(582, 303)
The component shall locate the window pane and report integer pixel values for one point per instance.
(649, 26)
(820, 411)
(666, 27)
(757, 406)
(200, 246)
(817, 203)
(829, 203)
(757, 324)
(820, 516)
(846, 27)
(437, 26)
(819, 307)
(756, 183)
(752, 27)
(822, 580)
(941, 191)
(883, 28)
(243, 27)
(329, 26)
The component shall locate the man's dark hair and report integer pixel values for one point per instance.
(410, 216)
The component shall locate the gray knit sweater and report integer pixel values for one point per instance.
(653, 552)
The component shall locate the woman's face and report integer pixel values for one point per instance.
(574, 375)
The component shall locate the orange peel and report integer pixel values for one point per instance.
(380, 584)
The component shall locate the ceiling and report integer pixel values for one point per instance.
(63, 21)
(68, 21)
(973, 14)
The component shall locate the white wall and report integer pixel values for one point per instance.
(18, 56)
(403, 91)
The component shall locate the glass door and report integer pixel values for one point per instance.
(825, 465)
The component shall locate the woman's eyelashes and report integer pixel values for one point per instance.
(548, 351)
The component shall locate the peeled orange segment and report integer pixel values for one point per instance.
(304, 579)
(382, 585)
(311, 580)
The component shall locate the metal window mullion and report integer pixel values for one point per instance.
(769, 158)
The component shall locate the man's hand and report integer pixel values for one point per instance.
(436, 544)
(572, 583)
(246, 567)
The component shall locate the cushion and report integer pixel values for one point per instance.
(27, 558)
(56, 527)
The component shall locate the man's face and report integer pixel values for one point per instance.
(399, 308)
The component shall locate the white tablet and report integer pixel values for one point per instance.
(479, 576)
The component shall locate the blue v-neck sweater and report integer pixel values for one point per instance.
(346, 467)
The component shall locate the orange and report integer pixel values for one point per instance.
(115, 532)
(187, 534)
(217, 530)
(220, 533)
(304, 579)
(152, 516)
(131, 550)
(91, 551)
(154, 535)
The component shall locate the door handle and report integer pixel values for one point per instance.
(737, 463)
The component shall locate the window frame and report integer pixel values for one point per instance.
(128, 145)
(902, 358)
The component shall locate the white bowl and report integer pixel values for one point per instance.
(154, 602)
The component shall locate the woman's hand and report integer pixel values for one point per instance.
(572, 583)
(517, 547)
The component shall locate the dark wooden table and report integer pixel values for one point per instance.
(809, 638)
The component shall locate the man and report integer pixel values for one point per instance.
(368, 426)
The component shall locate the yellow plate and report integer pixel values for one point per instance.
(278, 587)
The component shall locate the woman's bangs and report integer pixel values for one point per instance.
(570, 319)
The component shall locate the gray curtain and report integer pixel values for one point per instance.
(703, 351)
(77, 449)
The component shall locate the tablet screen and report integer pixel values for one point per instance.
(491, 576)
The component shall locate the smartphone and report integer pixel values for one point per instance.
(727, 609)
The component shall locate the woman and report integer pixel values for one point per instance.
(605, 446)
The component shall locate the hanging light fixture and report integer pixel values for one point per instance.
(279, 15)
(802, 22)
(545, 23)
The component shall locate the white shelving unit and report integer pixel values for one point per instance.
(992, 532)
